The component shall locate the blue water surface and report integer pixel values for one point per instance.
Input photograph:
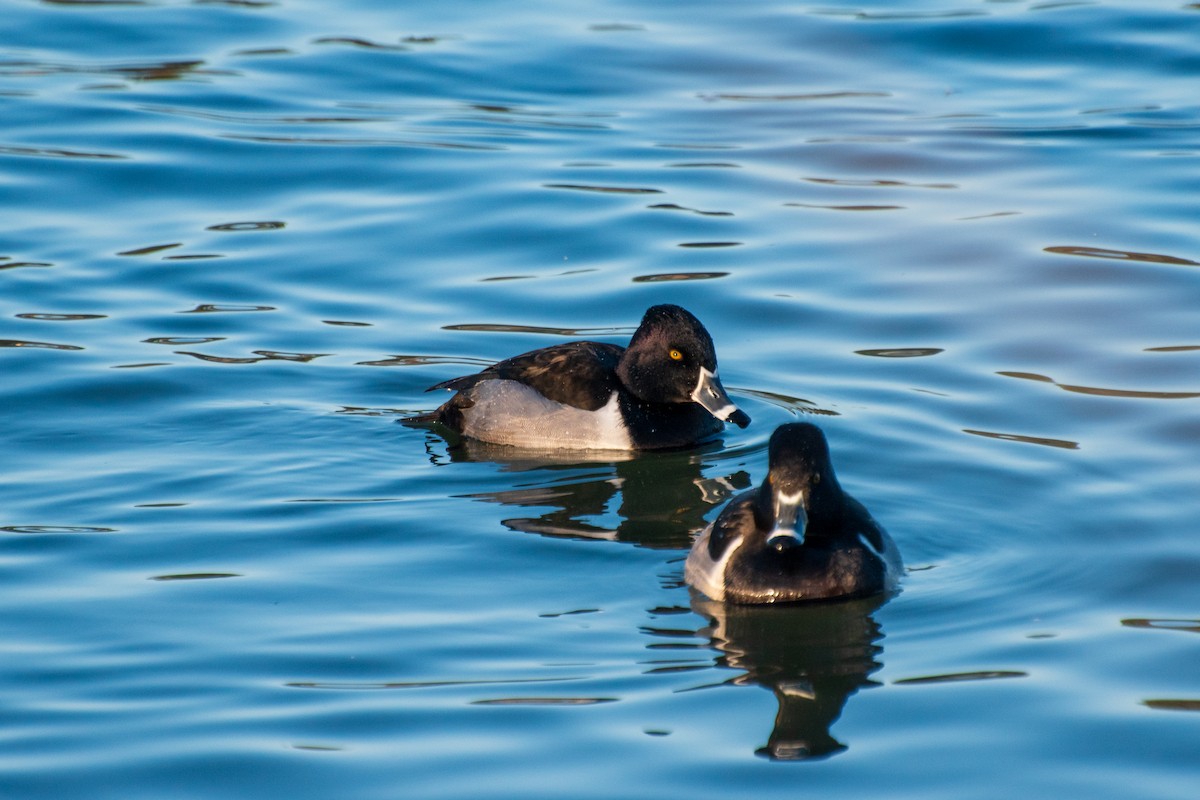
(239, 239)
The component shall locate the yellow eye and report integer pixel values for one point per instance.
(675, 355)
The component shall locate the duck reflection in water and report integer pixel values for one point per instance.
(813, 657)
(653, 499)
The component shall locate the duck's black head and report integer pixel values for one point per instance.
(801, 491)
(671, 359)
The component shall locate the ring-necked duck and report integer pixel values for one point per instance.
(661, 391)
(796, 537)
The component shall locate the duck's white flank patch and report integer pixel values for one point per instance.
(508, 412)
(705, 574)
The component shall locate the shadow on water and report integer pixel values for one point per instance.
(655, 500)
(812, 657)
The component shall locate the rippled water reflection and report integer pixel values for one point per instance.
(240, 239)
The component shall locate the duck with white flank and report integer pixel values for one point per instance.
(797, 537)
(661, 391)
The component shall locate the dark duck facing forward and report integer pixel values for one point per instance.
(661, 391)
(797, 537)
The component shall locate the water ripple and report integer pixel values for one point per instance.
(180, 340)
(1138, 394)
(859, 207)
(346, 141)
(420, 361)
(56, 152)
(149, 71)
(583, 187)
(1064, 444)
(675, 207)
(1186, 625)
(247, 226)
(55, 529)
(196, 576)
(666, 277)
(544, 701)
(360, 686)
(225, 308)
(37, 345)
(1173, 705)
(356, 42)
(1121, 255)
(259, 355)
(879, 183)
(902, 352)
(485, 327)
(790, 98)
(5, 263)
(959, 677)
(150, 249)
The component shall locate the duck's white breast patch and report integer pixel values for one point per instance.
(508, 412)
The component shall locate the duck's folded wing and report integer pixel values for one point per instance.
(578, 374)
